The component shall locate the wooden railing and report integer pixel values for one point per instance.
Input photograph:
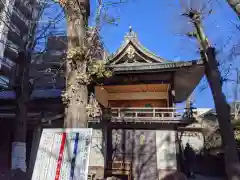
(119, 168)
(157, 114)
(145, 115)
(119, 165)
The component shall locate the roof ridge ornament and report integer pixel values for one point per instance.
(130, 28)
(134, 50)
(130, 35)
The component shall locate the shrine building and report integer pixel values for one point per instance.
(135, 134)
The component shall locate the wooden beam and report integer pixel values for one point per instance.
(101, 95)
(146, 78)
(137, 96)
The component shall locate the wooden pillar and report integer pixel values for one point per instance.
(35, 143)
(179, 150)
(109, 149)
(105, 142)
(107, 137)
(171, 91)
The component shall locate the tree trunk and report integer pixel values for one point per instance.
(235, 5)
(76, 112)
(223, 114)
(20, 125)
(222, 108)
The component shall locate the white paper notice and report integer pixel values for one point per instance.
(19, 156)
(63, 154)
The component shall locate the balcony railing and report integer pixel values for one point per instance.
(145, 115)
(150, 114)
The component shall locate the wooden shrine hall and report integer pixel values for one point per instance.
(136, 123)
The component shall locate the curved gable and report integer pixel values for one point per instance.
(132, 52)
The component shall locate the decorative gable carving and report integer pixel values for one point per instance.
(132, 52)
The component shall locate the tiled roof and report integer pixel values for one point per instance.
(232, 106)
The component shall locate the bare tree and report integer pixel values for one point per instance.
(235, 5)
(214, 79)
(82, 67)
(38, 31)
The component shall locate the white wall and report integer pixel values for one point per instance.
(195, 140)
(166, 149)
(96, 152)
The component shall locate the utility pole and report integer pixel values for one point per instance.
(213, 75)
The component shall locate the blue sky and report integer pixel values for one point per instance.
(161, 29)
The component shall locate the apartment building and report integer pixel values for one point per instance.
(48, 68)
(16, 17)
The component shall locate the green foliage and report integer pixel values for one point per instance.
(95, 67)
(76, 54)
(98, 69)
(237, 134)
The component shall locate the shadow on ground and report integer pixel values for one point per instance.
(13, 175)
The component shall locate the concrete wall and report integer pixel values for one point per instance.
(166, 152)
(96, 161)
